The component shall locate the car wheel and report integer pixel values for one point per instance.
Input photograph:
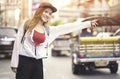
(75, 69)
(55, 53)
(114, 68)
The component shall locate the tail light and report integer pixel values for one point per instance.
(117, 54)
(82, 55)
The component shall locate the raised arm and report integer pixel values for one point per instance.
(69, 27)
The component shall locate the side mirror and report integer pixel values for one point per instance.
(111, 35)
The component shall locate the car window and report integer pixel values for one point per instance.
(7, 33)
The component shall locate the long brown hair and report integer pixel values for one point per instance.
(31, 23)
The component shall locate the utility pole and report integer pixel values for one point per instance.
(0, 8)
(0, 15)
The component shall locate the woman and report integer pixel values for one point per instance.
(27, 55)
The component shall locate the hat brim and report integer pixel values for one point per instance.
(47, 5)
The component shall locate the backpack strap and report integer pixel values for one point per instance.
(47, 30)
(25, 28)
(23, 35)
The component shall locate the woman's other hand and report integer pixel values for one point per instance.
(14, 69)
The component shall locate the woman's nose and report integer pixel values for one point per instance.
(48, 15)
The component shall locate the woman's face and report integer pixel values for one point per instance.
(46, 15)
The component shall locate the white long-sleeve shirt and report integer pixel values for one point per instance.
(28, 48)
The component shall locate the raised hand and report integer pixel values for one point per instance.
(94, 23)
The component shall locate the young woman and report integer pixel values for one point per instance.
(31, 46)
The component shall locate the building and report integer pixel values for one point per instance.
(115, 9)
(85, 8)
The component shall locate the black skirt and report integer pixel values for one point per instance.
(29, 68)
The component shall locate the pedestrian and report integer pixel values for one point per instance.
(33, 39)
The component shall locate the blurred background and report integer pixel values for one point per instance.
(13, 12)
(57, 66)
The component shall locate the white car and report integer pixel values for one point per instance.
(7, 38)
(104, 34)
(61, 45)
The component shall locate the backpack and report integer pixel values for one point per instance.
(26, 28)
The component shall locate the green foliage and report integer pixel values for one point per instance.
(55, 23)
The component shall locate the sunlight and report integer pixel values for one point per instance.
(60, 3)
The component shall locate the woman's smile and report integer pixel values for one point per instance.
(46, 15)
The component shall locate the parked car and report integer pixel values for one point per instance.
(61, 46)
(7, 38)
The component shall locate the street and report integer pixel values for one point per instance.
(89, 29)
(59, 68)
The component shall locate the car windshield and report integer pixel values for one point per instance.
(7, 32)
(104, 34)
(101, 31)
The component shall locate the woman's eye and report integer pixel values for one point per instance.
(48, 12)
